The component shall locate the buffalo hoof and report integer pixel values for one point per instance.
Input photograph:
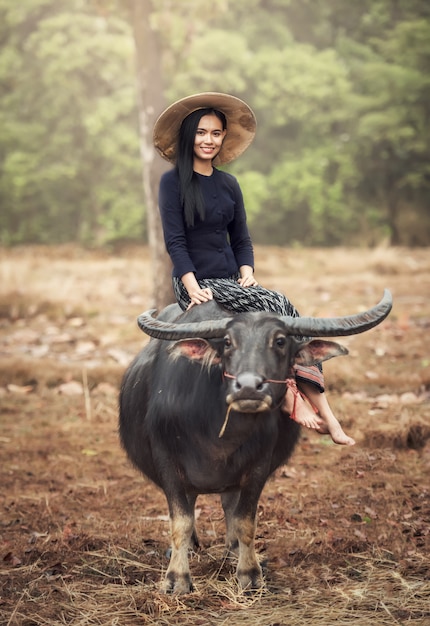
(231, 550)
(250, 580)
(177, 584)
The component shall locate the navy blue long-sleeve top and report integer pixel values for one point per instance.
(214, 247)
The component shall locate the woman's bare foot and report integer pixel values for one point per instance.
(322, 419)
(299, 410)
(334, 429)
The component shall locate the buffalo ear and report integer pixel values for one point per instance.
(318, 350)
(195, 350)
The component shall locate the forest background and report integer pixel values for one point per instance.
(341, 91)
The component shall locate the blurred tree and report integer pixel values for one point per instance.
(341, 93)
(384, 46)
(392, 139)
(69, 153)
(303, 100)
(151, 102)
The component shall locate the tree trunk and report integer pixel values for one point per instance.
(392, 207)
(151, 103)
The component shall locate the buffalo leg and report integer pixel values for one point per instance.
(229, 503)
(248, 570)
(240, 536)
(243, 526)
(178, 577)
(194, 543)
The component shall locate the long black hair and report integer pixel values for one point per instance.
(191, 194)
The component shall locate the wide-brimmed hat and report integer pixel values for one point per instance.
(241, 124)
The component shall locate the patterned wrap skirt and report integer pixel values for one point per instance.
(230, 295)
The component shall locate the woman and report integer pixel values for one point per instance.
(206, 235)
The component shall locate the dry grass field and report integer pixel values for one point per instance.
(343, 534)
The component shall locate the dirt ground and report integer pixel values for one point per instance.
(343, 533)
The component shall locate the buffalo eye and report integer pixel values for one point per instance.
(227, 342)
(281, 342)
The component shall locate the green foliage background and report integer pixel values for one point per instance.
(341, 91)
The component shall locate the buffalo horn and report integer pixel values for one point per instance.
(340, 326)
(209, 329)
(304, 326)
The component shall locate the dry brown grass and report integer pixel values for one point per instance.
(343, 533)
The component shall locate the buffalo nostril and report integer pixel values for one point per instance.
(250, 381)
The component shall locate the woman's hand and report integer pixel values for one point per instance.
(196, 293)
(198, 296)
(247, 277)
(247, 281)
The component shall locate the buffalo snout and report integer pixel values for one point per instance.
(247, 381)
(249, 393)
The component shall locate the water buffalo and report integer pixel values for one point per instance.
(200, 413)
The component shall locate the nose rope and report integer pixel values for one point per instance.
(224, 426)
(266, 380)
(291, 384)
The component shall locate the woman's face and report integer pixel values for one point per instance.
(209, 138)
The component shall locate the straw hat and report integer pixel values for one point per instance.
(241, 124)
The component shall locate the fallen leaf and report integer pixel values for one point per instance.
(370, 512)
(380, 351)
(35, 536)
(120, 356)
(89, 452)
(73, 388)
(20, 388)
(357, 396)
(387, 398)
(68, 534)
(404, 321)
(106, 388)
(39, 351)
(12, 560)
(55, 570)
(409, 398)
(372, 375)
(360, 534)
(60, 338)
(85, 347)
(76, 322)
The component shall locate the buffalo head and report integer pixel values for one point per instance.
(258, 350)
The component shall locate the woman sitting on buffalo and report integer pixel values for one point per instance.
(206, 234)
